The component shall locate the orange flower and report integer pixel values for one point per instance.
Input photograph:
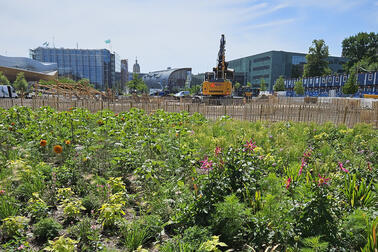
(116, 115)
(67, 142)
(12, 123)
(58, 149)
(43, 143)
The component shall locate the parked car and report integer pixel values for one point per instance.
(7, 91)
(182, 94)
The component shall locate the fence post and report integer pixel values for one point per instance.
(345, 114)
(261, 108)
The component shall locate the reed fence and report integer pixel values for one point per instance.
(339, 111)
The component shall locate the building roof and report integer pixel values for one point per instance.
(159, 79)
(33, 70)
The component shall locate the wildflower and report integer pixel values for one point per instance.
(270, 136)
(93, 227)
(342, 168)
(307, 153)
(2, 192)
(12, 123)
(58, 149)
(274, 164)
(122, 119)
(250, 145)
(322, 180)
(21, 247)
(206, 164)
(261, 157)
(116, 115)
(218, 150)
(302, 165)
(369, 167)
(67, 142)
(288, 182)
(43, 143)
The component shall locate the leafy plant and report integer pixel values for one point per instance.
(314, 244)
(46, 229)
(37, 208)
(14, 226)
(358, 194)
(212, 245)
(62, 244)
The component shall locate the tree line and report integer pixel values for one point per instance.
(361, 50)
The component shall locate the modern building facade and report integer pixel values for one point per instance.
(171, 79)
(33, 70)
(332, 85)
(270, 65)
(97, 65)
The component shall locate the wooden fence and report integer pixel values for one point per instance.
(340, 112)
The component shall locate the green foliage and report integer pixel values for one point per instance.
(229, 218)
(72, 208)
(8, 207)
(249, 84)
(314, 244)
(361, 48)
(212, 245)
(263, 84)
(196, 89)
(46, 229)
(37, 207)
(87, 234)
(3, 79)
(237, 85)
(317, 64)
(358, 194)
(351, 86)
(20, 84)
(356, 228)
(298, 87)
(279, 84)
(110, 214)
(62, 244)
(137, 85)
(14, 226)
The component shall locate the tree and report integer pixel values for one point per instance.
(249, 84)
(360, 47)
(279, 84)
(262, 84)
(237, 86)
(298, 87)
(351, 86)
(137, 84)
(317, 64)
(196, 89)
(3, 79)
(21, 85)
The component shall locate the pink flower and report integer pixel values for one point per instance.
(206, 164)
(302, 165)
(322, 180)
(342, 168)
(218, 150)
(250, 145)
(2, 192)
(288, 181)
(369, 167)
(21, 247)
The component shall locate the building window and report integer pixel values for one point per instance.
(323, 80)
(260, 76)
(261, 68)
(370, 77)
(344, 78)
(337, 79)
(261, 59)
(296, 60)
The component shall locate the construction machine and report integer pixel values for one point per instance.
(218, 83)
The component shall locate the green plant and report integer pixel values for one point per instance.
(14, 226)
(72, 208)
(314, 244)
(37, 208)
(62, 244)
(46, 229)
(110, 214)
(229, 219)
(8, 206)
(279, 84)
(212, 245)
(358, 194)
(298, 87)
(87, 234)
(134, 235)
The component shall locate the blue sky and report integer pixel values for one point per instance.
(182, 33)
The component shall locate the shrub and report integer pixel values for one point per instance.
(8, 207)
(229, 218)
(37, 208)
(46, 229)
(87, 234)
(91, 203)
(14, 226)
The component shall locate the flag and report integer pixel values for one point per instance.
(107, 41)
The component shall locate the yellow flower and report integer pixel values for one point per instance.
(67, 142)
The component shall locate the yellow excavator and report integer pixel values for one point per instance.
(218, 83)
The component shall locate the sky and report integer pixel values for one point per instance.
(182, 33)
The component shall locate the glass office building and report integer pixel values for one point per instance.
(97, 65)
(270, 65)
